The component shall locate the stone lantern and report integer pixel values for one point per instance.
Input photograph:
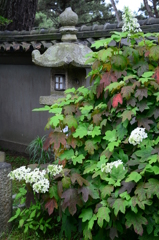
(66, 59)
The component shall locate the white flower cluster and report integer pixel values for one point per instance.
(36, 178)
(130, 22)
(108, 167)
(54, 169)
(137, 135)
(41, 186)
(19, 173)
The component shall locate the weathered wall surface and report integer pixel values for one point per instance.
(20, 89)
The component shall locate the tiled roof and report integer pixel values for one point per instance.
(41, 39)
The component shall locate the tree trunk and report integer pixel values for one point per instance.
(21, 12)
(115, 9)
(155, 8)
(150, 13)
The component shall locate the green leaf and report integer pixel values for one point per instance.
(66, 182)
(91, 221)
(53, 192)
(119, 62)
(56, 110)
(80, 132)
(32, 215)
(141, 191)
(112, 145)
(78, 159)
(90, 146)
(86, 214)
(70, 121)
(154, 52)
(152, 187)
(70, 90)
(106, 191)
(68, 154)
(148, 74)
(119, 205)
(46, 108)
(133, 176)
(104, 54)
(95, 132)
(21, 223)
(110, 136)
(118, 173)
(115, 85)
(55, 120)
(137, 220)
(103, 214)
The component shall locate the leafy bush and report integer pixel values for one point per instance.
(118, 201)
(37, 153)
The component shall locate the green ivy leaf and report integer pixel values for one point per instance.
(106, 191)
(70, 121)
(137, 220)
(53, 192)
(103, 214)
(66, 182)
(95, 132)
(91, 221)
(86, 214)
(78, 159)
(67, 154)
(81, 131)
(152, 187)
(118, 173)
(133, 176)
(55, 120)
(90, 146)
(119, 205)
(112, 145)
(110, 136)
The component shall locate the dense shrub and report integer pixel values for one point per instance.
(109, 187)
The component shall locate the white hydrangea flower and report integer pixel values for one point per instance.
(131, 24)
(19, 173)
(108, 167)
(54, 169)
(41, 186)
(35, 176)
(137, 135)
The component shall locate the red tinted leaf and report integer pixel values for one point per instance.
(50, 205)
(127, 91)
(97, 119)
(118, 74)
(90, 146)
(145, 122)
(59, 188)
(142, 105)
(113, 233)
(88, 191)
(72, 141)
(71, 199)
(116, 100)
(106, 79)
(140, 93)
(127, 115)
(69, 109)
(77, 177)
(156, 75)
(55, 139)
(132, 102)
